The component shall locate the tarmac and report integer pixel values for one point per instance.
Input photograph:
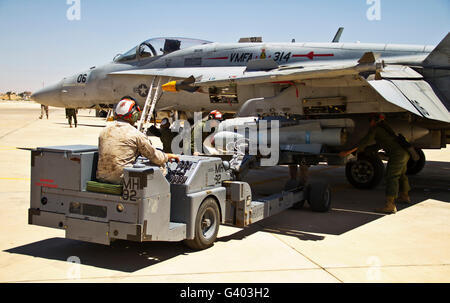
(350, 243)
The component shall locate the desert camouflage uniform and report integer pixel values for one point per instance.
(119, 144)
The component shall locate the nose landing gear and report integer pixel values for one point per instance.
(366, 172)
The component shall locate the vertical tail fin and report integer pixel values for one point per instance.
(436, 70)
(440, 56)
(337, 37)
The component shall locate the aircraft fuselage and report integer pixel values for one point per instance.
(98, 86)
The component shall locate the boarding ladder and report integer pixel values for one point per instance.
(150, 103)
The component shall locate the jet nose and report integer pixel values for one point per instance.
(49, 95)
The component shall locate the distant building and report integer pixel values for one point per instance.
(15, 97)
(25, 95)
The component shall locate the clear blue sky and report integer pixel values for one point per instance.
(39, 44)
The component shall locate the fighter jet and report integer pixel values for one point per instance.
(325, 88)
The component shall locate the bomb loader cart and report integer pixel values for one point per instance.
(196, 195)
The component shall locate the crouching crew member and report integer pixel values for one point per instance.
(397, 184)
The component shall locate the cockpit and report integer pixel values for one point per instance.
(158, 47)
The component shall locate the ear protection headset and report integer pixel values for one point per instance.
(127, 109)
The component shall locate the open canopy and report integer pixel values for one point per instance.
(159, 46)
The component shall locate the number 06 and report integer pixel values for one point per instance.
(82, 78)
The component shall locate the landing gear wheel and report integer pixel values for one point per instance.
(414, 167)
(207, 224)
(366, 172)
(101, 113)
(319, 196)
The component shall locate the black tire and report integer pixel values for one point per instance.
(366, 172)
(207, 224)
(101, 113)
(414, 167)
(319, 196)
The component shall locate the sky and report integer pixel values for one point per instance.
(42, 41)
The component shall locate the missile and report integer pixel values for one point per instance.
(245, 131)
(330, 136)
(176, 86)
(297, 135)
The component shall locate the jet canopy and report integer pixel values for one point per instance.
(157, 47)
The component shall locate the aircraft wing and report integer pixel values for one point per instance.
(414, 95)
(422, 95)
(397, 84)
(262, 71)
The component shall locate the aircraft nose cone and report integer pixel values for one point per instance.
(49, 95)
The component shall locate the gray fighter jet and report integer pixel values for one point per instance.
(313, 86)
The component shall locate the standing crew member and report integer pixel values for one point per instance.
(397, 184)
(201, 127)
(119, 144)
(71, 113)
(164, 133)
(44, 109)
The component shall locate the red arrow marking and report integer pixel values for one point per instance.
(311, 55)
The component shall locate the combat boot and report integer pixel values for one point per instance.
(389, 207)
(403, 198)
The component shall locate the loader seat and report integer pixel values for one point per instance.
(99, 187)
